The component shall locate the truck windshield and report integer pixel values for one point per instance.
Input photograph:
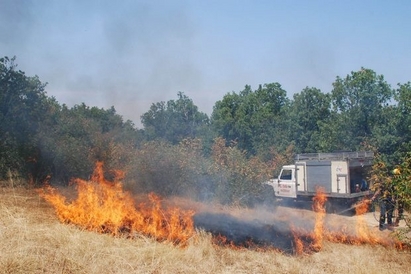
(285, 174)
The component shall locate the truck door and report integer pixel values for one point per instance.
(341, 183)
(300, 176)
(339, 177)
(287, 184)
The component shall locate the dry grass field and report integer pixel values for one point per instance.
(34, 241)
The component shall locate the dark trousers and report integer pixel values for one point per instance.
(386, 210)
(400, 212)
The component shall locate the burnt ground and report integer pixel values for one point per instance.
(272, 227)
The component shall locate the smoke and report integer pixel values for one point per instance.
(244, 233)
(130, 54)
(267, 227)
(103, 53)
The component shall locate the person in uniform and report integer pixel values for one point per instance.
(384, 192)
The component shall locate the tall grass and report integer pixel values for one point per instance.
(33, 241)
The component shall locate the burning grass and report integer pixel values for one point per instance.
(102, 206)
(35, 241)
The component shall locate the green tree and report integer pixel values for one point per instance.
(358, 101)
(269, 121)
(224, 118)
(255, 120)
(76, 138)
(308, 110)
(174, 121)
(403, 117)
(401, 177)
(23, 104)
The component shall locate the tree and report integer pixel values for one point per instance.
(394, 176)
(269, 122)
(174, 121)
(358, 101)
(254, 120)
(224, 118)
(23, 105)
(308, 109)
(403, 97)
(76, 138)
(401, 177)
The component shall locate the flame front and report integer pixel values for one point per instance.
(361, 235)
(104, 207)
(318, 207)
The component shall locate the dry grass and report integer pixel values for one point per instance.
(33, 241)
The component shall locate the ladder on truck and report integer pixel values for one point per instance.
(360, 158)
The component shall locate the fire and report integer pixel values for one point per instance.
(318, 207)
(104, 207)
(298, 243)
(307, 242)
(363, 234)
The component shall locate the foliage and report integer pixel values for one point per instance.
(169, 169)
(174, 121)
(80, 136)
(309, 109)
(255, 120)
(358, 101)
(228, 176)
(238, 178)
(39, 139)
(402, 119)
(401, 180)
(23, 105)
(396, 177)
(180, 151)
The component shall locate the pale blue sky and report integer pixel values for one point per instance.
(130, 54)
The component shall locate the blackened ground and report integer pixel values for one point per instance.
(244, 233)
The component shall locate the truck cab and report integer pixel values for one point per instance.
(285, 185)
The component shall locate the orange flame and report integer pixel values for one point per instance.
(362, 234)
(318, 207)
(299, 245)
(104, 207)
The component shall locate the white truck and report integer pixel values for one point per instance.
(342, 176)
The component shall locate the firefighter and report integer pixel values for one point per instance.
(385, 193)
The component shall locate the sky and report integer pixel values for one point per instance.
(132, 54)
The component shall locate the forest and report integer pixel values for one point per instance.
(182, 151)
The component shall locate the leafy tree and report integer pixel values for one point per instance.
(308, 110)
(358, 101)
(401, 179)
(224, 118)
(238, 178)
(255, 120)
(403, 117)
(168, 169)
(396, 177)
(174, 121)
(77, 137)
(23, 104)
(270, 122)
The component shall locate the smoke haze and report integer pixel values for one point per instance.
(131, 54)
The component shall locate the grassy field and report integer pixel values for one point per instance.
(34, 241)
